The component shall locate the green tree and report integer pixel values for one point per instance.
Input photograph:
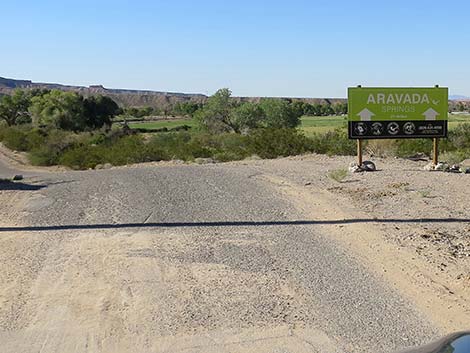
(309, 109)
(279, 114)
(247, 116)
(14, 108)
(99, 111)
(216, 115)
(139, 112)
(298, 107)
(327, 110)
(186, 108)
(62, 110)
(340, 108)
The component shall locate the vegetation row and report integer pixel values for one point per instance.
(57, 127)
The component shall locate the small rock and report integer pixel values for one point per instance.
(98, 166)
(368, 166)
(177, 161)
(441, 166)
(107, 166)
(354, 168)
(454, 169)
(18, 177)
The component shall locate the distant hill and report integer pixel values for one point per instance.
(123, 97)
(457, 97)
(135, 98)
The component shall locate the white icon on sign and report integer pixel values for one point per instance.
(360, 129)
(393, 128)
(377, 129)
(409, 128)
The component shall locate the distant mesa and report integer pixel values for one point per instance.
(139, 98)
(124, 97)
(97, 87)
(159, 99)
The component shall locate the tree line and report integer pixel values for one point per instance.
(58, 109)
(189, 109)
(220, 113)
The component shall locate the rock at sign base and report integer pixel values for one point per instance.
(368, 166)
(354, 168)
(18, 177)
(441, 166)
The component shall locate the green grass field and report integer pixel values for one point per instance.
(455, 119)
(309, 124)
(321, 124)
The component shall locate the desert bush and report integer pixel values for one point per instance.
(381, 148)
(81, 157)
(410, 147)
(459, 138)
(22, 138)
(15, 138)
(454, 157)
(333, 143)
(126, 150)
(55, 143)
(178, 145)
(272, 143)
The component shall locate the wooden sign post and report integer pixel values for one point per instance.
(359, 152)
(435, 151)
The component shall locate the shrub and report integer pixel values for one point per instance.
(454, 157)
(333, 143)
(174, 145)
(459, 137)
(82, 157)
(272, 143)
(233, 146)
(409, 147)
(381, 148)
(55, 143)
(15, 138)
(126, 150)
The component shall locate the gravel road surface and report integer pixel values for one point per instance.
(186, 258)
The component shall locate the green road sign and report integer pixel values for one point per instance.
(397, 112)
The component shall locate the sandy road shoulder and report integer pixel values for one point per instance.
(437, 295)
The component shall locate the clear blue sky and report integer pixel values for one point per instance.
(256, 48)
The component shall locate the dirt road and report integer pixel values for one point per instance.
(240, 257)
